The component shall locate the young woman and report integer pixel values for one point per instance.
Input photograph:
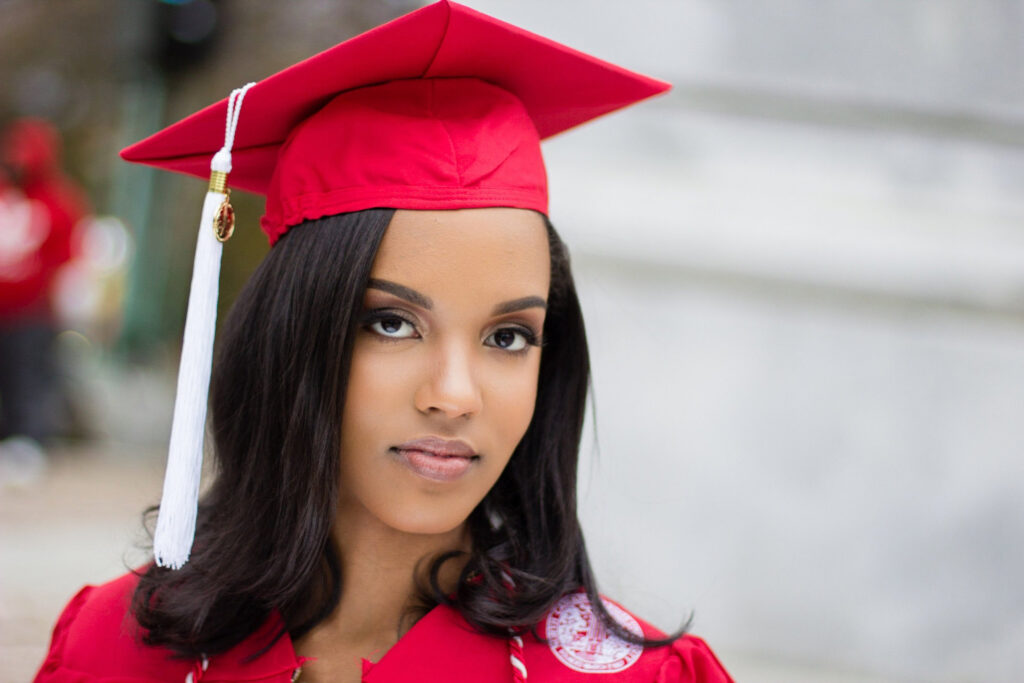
(398, 393)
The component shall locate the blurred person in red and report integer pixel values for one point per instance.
(39, 208)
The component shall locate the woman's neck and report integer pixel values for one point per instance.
(380, 567)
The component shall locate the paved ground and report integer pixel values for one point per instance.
(78, 525)
(81, 524)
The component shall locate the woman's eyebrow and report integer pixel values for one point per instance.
(519, 304)
(423, 301)
(402, 292)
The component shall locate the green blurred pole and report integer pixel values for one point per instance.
(142, 112)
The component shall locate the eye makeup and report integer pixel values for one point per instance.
(382, 317)
(387, 324)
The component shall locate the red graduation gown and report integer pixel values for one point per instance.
(96, 640)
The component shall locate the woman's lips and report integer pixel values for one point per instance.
(437, 459)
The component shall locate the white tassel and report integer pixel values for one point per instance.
(176, 523)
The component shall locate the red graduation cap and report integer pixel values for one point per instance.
(543, 88)
(443, 108)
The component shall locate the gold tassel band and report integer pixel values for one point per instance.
(218, 181)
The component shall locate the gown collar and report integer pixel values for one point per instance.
(442, 645)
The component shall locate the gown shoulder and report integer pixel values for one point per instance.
(96, 639)
(690, 659)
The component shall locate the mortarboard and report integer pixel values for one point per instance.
(443, 108)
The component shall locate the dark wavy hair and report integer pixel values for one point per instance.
(278, 388)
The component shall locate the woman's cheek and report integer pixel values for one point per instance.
(381, 375)
(514, 397)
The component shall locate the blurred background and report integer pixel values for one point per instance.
(802, 270)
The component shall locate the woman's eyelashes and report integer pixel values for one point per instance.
(390, 325)
(513, 339)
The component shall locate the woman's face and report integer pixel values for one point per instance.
(444, 367)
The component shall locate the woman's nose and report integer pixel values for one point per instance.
(451, 387)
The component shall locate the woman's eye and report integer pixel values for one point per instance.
(511, 339)
(393, 328)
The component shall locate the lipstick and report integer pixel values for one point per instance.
(436, 459)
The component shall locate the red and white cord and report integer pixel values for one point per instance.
(515, 642)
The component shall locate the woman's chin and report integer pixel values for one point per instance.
(424, 522)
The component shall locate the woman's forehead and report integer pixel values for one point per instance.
(499, 250)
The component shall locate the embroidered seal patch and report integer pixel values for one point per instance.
(579, 641)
